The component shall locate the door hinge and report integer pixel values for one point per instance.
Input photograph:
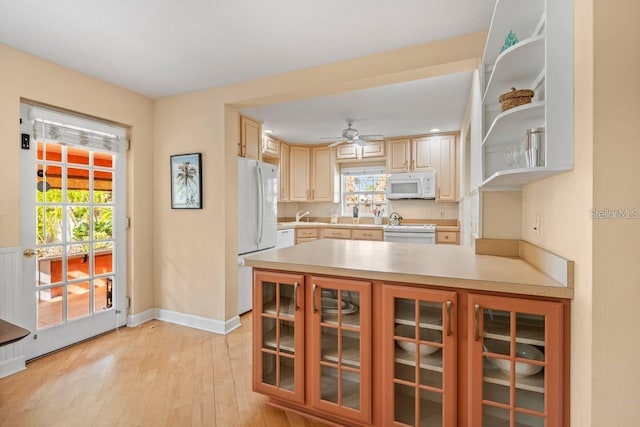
(127, 222)
(128, 144)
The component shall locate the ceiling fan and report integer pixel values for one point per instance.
(352, 136)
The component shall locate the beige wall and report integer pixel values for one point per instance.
(25, 76)
(202, 281)
(605, 376)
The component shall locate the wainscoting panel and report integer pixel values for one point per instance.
(12, 355)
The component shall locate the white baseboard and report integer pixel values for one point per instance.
(140, 318)
(11, 366)
(198, 322)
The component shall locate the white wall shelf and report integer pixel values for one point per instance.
(510, 126)
(542, 61)
(517, 67)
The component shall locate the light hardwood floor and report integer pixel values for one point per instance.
(156, 374)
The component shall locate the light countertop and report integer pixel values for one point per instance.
(440, 265)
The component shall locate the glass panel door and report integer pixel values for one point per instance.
(518, 348)
(419, 356)
(278, 328)
(342, 346)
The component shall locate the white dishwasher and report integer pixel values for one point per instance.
(284, 239)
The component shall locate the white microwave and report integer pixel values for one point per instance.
(411, 186)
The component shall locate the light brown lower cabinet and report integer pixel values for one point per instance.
(342, 350)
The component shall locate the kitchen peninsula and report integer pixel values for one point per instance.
(337, 324)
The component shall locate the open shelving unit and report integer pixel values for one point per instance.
(540, 61)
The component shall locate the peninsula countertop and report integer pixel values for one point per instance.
(438, 265)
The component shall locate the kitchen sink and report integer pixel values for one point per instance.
(303, 223)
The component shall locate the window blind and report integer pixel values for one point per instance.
(67, 129)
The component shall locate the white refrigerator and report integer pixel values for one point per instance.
(257, 219)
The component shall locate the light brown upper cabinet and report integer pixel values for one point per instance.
(284, 172)
(270, 146)
(250, 145)
(427, 153)
(372, 150)
(299, 162)
(313, 176)
(410, 155)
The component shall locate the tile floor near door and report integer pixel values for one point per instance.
(156, 374)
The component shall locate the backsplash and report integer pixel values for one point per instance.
(413, 209)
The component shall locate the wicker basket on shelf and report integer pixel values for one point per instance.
(514, 98)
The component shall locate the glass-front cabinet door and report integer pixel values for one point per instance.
(341, 347)
(419, 356)
(278, 334)
(516, 361)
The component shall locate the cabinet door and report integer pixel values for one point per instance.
(346, 152)
(341, 347)
(284, 173)
(278, 335)
(299, 174)
(322, 174)
(373, 149)
(446, 170)
(250, 138)
(508, 333)
(422, 151)
(270, 146)
(399, 155)
(424, 381)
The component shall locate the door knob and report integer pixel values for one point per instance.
(30, 253)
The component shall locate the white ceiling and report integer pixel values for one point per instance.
(161, 48)
(409, 108)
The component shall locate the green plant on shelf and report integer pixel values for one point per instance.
(509, 41)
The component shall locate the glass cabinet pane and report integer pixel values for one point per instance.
(513, 341)
(278, 322)
(418, 367)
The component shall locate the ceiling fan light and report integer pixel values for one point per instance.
(434, 130)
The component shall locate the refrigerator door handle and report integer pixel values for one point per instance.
(260, 204)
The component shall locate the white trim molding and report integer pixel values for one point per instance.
(138, 319)
(11, 366)
(198, 322)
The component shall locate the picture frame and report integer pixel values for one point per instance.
(186, 181)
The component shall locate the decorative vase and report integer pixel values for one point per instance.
(509, 41)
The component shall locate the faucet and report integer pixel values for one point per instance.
(300, 215)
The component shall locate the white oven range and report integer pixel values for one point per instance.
(414, 233)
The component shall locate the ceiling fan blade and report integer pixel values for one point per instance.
(332, 137)
(370, 137)
(338, 143)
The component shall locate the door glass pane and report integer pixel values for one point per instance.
(431, 315)
(529, 420)
(52, 187)
(78, 301)
(329, 344)
(495, 417)
(329, 384)
(350, 348)
(77, 185)
(78, 223)
(77, 156)
(102, 187)
(269, 368)
(269, 337)
(404, 404)
(286, 299)
(430, 409)
(51, 224)
(496, 392)
(103, 257)
(49, 265)
(78, 264)
(102, 159)
(286, 373)
(103, 223)
(50, 307)
(103, 293)
(269, 298)
(286, 343)
(350, 389)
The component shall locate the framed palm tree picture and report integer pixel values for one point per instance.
(186, 181)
